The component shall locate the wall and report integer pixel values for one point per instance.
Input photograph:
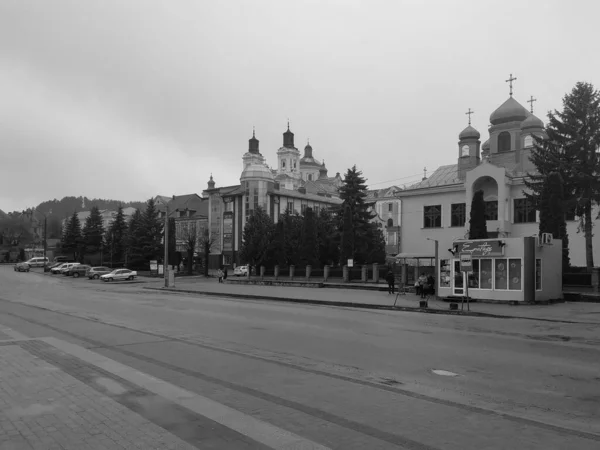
(551, 271)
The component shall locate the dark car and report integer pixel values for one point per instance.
(96, 272)
(79, 270)
(22, 267)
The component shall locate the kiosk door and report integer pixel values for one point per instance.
(458, 279)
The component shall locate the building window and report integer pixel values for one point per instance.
(432, 216)
(500, 272)
(491, 210)
(316, 210)
(504, 142)
(458, 213)
(310, 177)
(283, 163)
(390, 223)
(473, 276)
(524, 210)
(514, 274)
(390, 207)
(528, 141)
(303, 209)
(485, 274)
(538, 274)
(290, 207)
(570, 214)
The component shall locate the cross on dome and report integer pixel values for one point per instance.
(510, 82)
(530, 101)
(469, 112)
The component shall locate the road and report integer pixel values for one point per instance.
(343, 378)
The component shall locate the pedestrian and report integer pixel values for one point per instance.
(224, 273)
(220, 275)
(389, 277)
(431, 283)
(422, 281)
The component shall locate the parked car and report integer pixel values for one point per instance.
(37, 262)
(240, 271)
(119, 274)
(21, 267)
(66, 267)
(78, 270)
(62, 259)
(96, 272)
(56, 270)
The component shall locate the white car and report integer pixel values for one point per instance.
(119, 274)
(240, 271)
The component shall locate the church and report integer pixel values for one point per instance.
(435, 211)
(298, 182)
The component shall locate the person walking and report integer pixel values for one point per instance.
(224, 273)
(220, 275)
(389, 277)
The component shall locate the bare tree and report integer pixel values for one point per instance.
(189, 235)
(206, 242)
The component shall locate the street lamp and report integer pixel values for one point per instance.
(436, 276)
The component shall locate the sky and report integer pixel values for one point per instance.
(127, 99)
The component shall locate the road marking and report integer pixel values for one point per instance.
(263, 432)
(444, 373)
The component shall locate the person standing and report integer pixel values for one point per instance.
(224, 273)
(220, 275)
(389, 277)
(422, 281)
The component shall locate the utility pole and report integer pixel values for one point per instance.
(166, 241)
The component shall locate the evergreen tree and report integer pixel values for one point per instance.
(93, 232)
(477, 222)
(116, 237)
(277, 253)
(134, 239)
(151, 233)
(356, 215)
(257, 237)
(309, 239)
(552, 213)
(571, 150)
(71, 240)
(328, 238)
(292, 237)
(376, 247)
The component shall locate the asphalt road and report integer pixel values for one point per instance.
(345, 378)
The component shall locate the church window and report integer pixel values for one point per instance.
(491, 210)
(283, 163)
(432, 216)
(465, 150)
(524, 210)
(390, 207)
(504, 142)
(458, 214)
(528, 142)
(390, 223)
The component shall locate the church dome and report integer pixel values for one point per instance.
(256, 172)
(509, 111)
(486, 145)
(469, 132)
(532, 122)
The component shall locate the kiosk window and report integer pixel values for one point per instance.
(538, 274)
(474, 275)
(485, 274)
(514, 274)
(445, 273)
(501, 273)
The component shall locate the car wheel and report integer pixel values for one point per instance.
(76, 275)
(27, 270)
(129, 278)
(96, 276)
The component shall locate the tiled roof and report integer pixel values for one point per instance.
(443, 175)
(192, 202)
(374, 194)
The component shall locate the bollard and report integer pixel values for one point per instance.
(262, 272)
(292, 272)
(326, 273)
(363, 273)
(375, 273)
(308, 271)
(276, 272)
(345, 274)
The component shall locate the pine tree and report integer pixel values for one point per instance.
(93, 232)
(151, 233)
(72, 239)
(377, 252)
(552, 213)
(356, 215)
(571, 150)
(477, 222)
(257, 237)
(134, 239)
(116, 237)
(309, 239)
(292, 237)
(328, 238)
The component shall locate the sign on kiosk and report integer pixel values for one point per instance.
(466, 262)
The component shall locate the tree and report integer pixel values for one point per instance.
(571, 149)
(71, 240)
(477, 222)
(376, 253)
(257, 237)
(189, 235)
(291, 237)
(356, 215)
(151, 230)
(552, 213)
(206, 242)
(133, 239)
(14, 231)
(93, 232)
(309, 239)
(328, 238)
(116, 237)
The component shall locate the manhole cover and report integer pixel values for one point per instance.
(444, 373)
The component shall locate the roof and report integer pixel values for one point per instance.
(374, 194)
(192, 202)
(509, 111)
(469, 132)
(325, 186)
(309, 161)
(164, 199)
(308, 196)
(443, 175)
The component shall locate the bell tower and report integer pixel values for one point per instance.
(468, 148)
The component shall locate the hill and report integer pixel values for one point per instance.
(66, 206)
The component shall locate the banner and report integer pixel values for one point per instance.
(477, 249)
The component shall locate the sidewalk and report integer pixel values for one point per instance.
(56, 395)
(562, 312)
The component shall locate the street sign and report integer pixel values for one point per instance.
(466, 262)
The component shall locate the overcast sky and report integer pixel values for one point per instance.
(126, 99)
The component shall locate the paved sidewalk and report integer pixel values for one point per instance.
(56, 395)
(570, 312)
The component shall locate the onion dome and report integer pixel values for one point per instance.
(510, 111)
(308, 151)
(256, 171)
(288, 138)
(323, 171)
(532, 122)
(469, 133)
(211, 182)
(486, 145)
(253, 144)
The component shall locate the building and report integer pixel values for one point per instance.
(388, 212)
(190, 213)
(296, 184)
(438, 207)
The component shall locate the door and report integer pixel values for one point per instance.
(458, 279)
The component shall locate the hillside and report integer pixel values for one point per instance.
(66, 206)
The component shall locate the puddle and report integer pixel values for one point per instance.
(444, 373)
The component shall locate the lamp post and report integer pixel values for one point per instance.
(166, 241)
(436, 276)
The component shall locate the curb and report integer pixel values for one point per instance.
(355, 305)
